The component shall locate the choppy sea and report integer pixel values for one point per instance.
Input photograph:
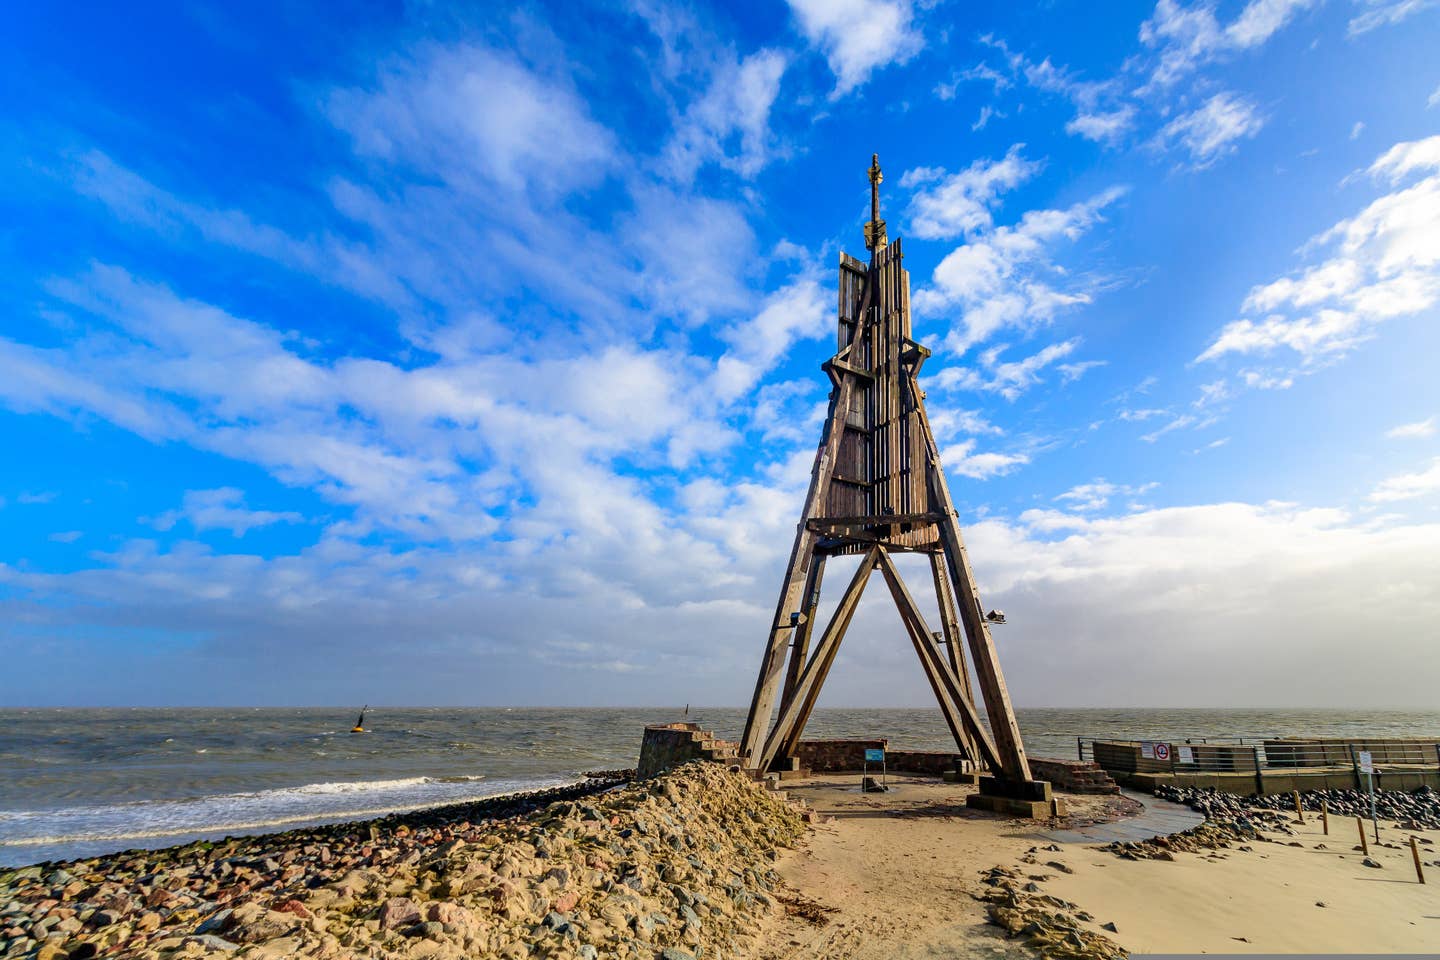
(79, 783)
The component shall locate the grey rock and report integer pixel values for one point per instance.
(211, 942)
(215, 923)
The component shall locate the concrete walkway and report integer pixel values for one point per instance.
(1159, 818)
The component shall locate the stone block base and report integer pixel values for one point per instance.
(1016, 789)
(1030, 809)
(952, 776)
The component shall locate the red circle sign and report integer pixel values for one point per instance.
(1162, 751)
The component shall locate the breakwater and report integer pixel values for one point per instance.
(679, 865)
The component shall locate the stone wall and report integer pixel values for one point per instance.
(829, 756)
(668, 745)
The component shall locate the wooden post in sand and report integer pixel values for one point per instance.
(1299, 811)
(1415, 855)
(1325, 815)
(1364, 844)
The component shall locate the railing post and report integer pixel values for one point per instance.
(1354, 764)
(1079, 748)
(1259, 774)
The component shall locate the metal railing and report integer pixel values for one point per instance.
(1242, 754)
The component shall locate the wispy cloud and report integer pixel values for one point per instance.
(1214, 129)
(1409, 486)
(1385, 264)
(1007, 277)
(1412, 431)
(1384, 13)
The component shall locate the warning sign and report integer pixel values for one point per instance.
(1187, 754)
(1367, 765)
(1147, 749)
(1162, 751)
(874, 756)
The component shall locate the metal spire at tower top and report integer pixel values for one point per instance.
(875, 229)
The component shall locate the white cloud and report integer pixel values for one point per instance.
(858, 36)
(730, 121)
(1010, 379)
(1408, 486)
(1213, 130)
(800, 310)
(1258, 584)
(222, 509)
(960, 203)
(1003, 278)
(1384, 13)
(1104, 126)
(1187, 37)
(480, 117)
(1434, 99)
(66, 536)
(45, 496)
(960, 458)
(1357, 129)
(1176, 423)
(1385, 263)
(1412, 431)
(1096, 494)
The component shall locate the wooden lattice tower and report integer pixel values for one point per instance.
(878, 488)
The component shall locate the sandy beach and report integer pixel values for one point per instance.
(899, 874)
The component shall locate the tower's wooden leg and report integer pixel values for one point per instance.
(925, 646)
(950, 624)
(797, 574)
(807, 689)
(800, 645)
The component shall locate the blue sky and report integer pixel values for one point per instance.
(447, 354)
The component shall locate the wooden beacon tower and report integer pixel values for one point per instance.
(877, 488)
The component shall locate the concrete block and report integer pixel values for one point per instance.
(1019, 789)
(1030, 809)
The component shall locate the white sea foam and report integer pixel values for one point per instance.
(141, 820)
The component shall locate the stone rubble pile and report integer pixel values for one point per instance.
(677, 867)
(1416, 810)
(1048, 925)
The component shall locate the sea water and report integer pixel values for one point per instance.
(84, 782)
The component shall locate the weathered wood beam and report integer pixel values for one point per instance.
(800, 644)
(926, 644)
(762, 704)
(807, 688)
(874, 520)
(998, 708)
(950, 625)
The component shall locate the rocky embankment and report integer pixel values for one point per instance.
(676, 867)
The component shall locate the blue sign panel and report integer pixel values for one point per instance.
(874, 756)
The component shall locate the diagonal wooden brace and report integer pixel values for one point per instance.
(807, 689)
(926, 643)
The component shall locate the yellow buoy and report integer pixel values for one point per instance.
(360, 723)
